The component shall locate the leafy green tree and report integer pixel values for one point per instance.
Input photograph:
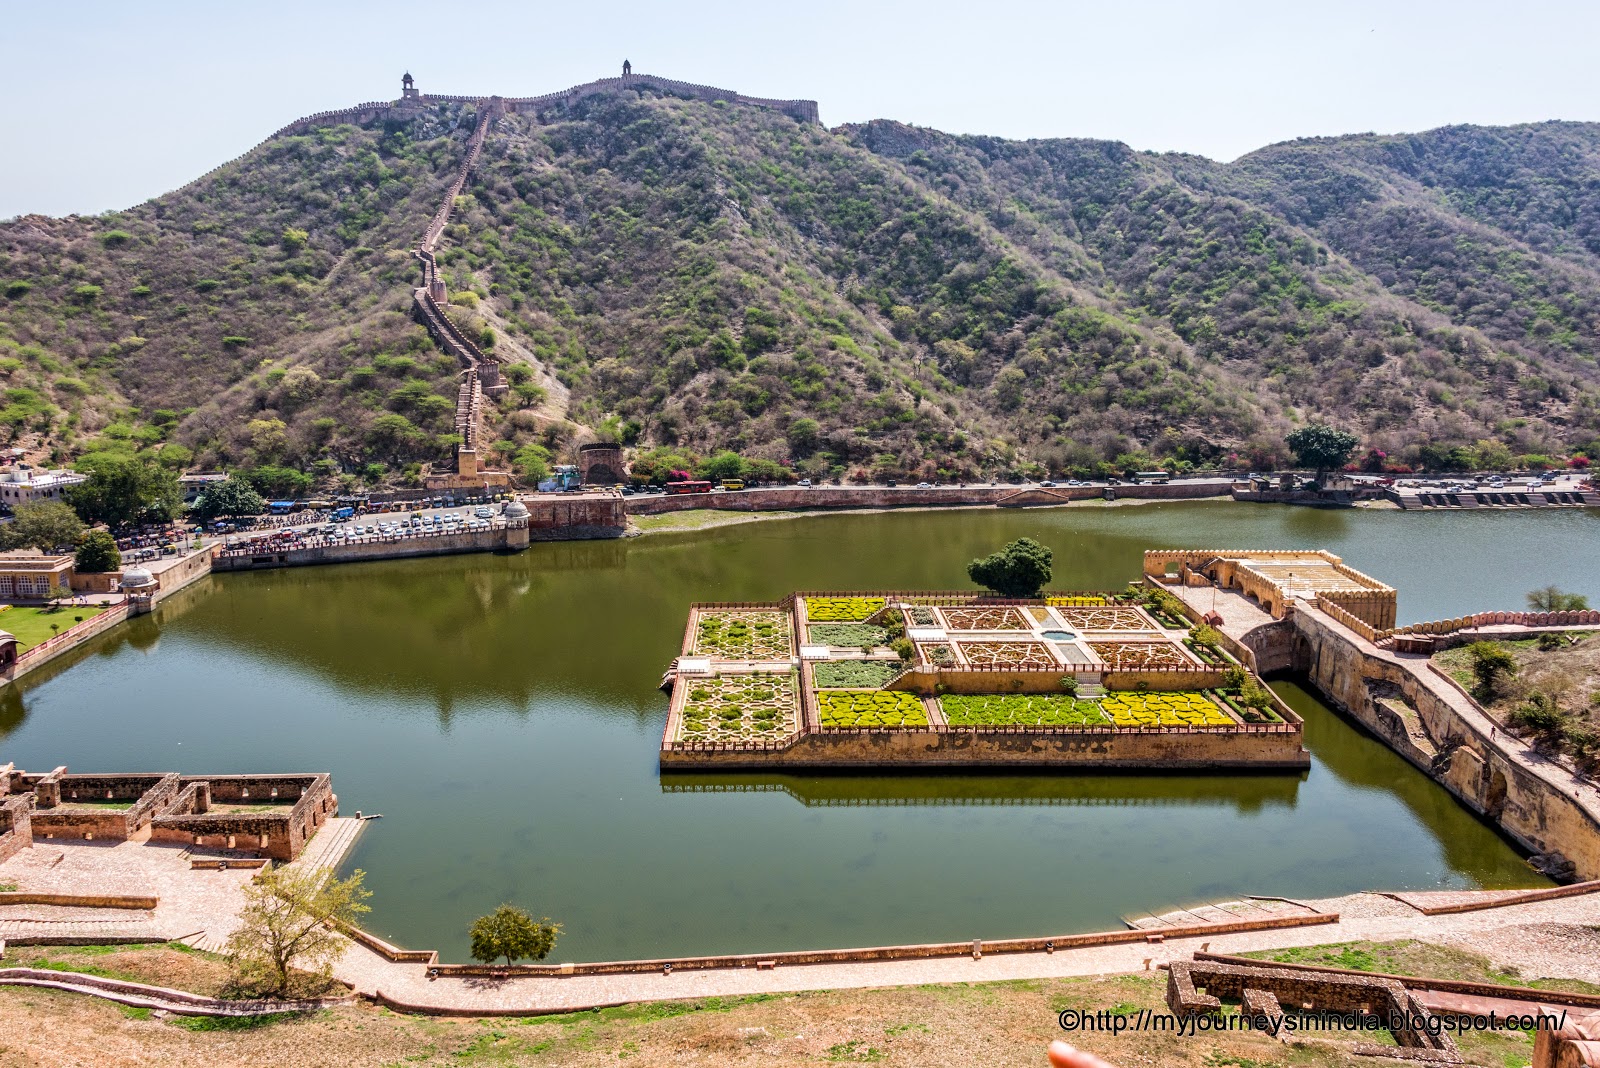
(722, 465)
(511, 933)
(1321, 447)
(803, 435)
(97, 553)
(279, 483)
(122, 490)
(232, 497)
(1492, 664)
(1554, 599)
(290, 923)
(1021, 569)
(45, 525)
(533, 462)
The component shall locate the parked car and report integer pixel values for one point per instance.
(1047, 484)
(804, 483)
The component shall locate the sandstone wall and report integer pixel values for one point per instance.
(1275, 748)
(1469, 764)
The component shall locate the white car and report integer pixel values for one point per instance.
(804, 483)
(924, 485)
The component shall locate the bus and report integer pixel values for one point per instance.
(1159, 478)
(732, 484)
(688, 487)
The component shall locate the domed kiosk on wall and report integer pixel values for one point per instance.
(138, 580)
(515, 510)
(9, 648)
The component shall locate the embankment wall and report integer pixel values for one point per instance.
(1265, 748)
(791, 498)
(1470, 758)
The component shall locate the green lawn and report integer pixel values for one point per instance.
(32, 625)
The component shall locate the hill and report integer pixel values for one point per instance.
(706, 274)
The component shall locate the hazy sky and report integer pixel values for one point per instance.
(113, 102)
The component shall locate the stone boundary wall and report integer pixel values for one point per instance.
(157, 997)
(367, 549)
(16, 826)
(148, 793)
(68, 639)
(87, 901)
(836, 956)
(791, 498)
(1444, 627)
(1472, 765)
(280, 835)
(359, 113)
(800, 110)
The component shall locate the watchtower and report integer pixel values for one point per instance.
(408, 87)
(627, 69)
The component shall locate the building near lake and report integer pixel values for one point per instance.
(25, 484)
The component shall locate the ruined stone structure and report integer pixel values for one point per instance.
(1265, 992)
(601, 464)
(259, 815)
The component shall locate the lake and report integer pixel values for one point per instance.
(501, 712)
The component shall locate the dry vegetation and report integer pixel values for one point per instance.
(1551, 696)
(1001, 1024)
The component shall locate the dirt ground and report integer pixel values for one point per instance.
(997, 1024)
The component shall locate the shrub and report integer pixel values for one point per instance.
(842, 609)
(511, 933)
(1056, 710)
(1021, 569)
(870, 708)
(1492, 663)
(855, 674)
(1164, 710)
(848, 635)
(904, 649)
(1538, 716)
(1206, 637)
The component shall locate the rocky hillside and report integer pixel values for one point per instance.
(713, 276)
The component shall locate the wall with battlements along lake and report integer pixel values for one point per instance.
(793, 498)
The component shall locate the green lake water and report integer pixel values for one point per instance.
(502, 713)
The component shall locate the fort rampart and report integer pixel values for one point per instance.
(794, 498)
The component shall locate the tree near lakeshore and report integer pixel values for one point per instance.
(1321, 447)
(1555, 599)
(124, 490)
(44, 526)
(289, 923)
(1021, 569)
(511, 933)
(97, 553)
(1492, 663)
(232, 497)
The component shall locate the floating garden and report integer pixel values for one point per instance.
(848, 635)
(735, 708)
(870, 708)
(1019, 709)
(1133, 709)
(1008, 654)
(842, 609)
(998, 618)
(855, 674)
(743, 635)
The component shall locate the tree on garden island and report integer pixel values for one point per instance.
(1021, 569)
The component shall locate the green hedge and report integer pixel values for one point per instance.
(850, 635)
(856, 674)
(1044, 709)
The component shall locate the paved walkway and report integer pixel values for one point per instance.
(1363, 917)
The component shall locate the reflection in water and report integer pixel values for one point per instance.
(1243, 793)
(501, 712)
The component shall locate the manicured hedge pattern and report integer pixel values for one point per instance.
(1044, 709)
(842, 609)
(1164, 710)
(730, 708)
(856, 674)
(743, 635)
(848, 635)
(870, 708)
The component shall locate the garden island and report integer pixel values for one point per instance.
(958, 679)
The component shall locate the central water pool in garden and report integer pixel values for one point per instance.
(502, 713)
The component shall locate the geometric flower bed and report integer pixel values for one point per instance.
(983, 619)
(848, 635)
(856, 674)
(920, 616)
(1037, 709)
(870, 708)
(1140, 654)
(941, 655)
(841, 609)
(1190, 709)
(743, 635)
(992, 654)
(1112, 619)
(729, 708)
(1074, 602)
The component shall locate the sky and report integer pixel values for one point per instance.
(113, 103)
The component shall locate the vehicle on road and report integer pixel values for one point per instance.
(688, 487)
(804, 483)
